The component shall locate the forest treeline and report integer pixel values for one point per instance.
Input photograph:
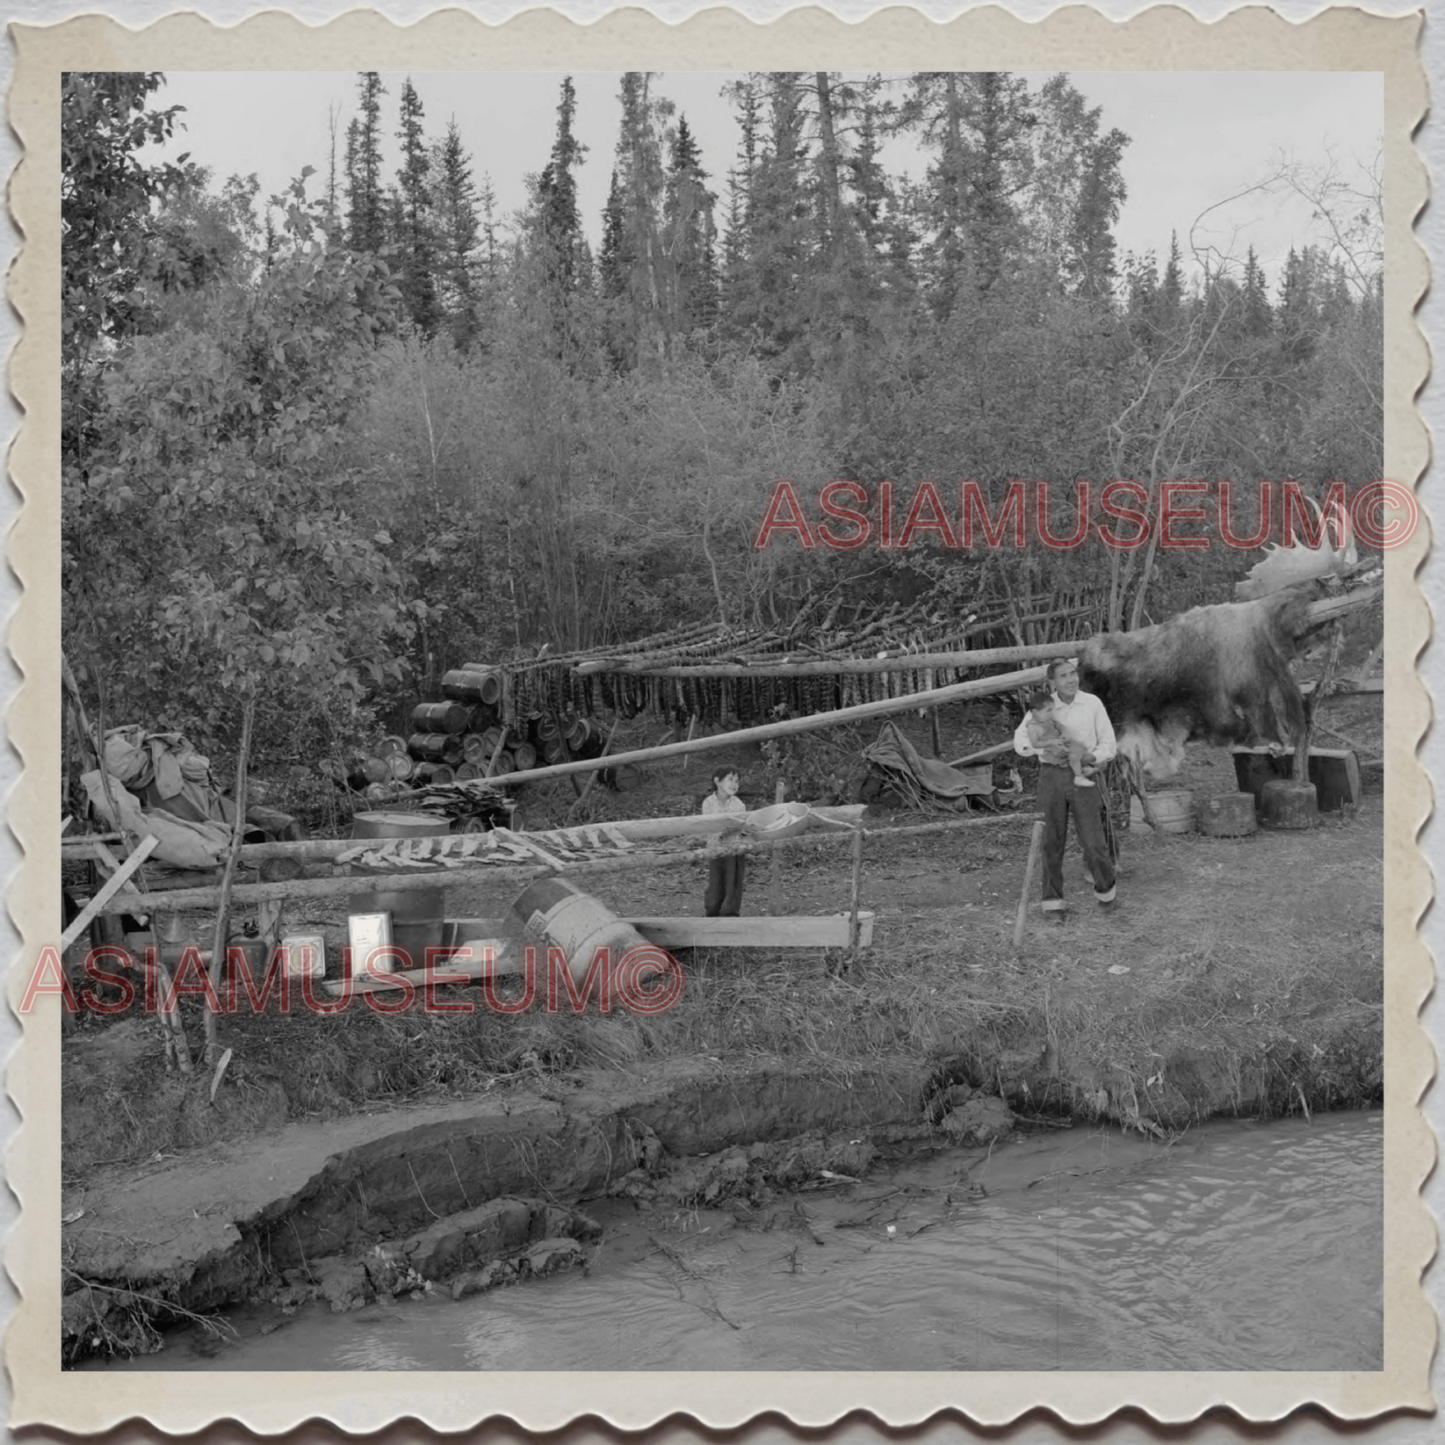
(318, 450)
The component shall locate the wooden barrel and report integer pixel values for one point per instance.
(1285, 803)
(439, 717)
(428, 747)
(401, 766)
(474, 748)
(1230, 815)
(524, 755)
(576, 922)
(504, 764)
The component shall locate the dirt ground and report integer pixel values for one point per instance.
(1232, 975)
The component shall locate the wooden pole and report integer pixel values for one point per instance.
(854, 889)
(592, 777)
(496, 753)
(295, 888)
(1319, 612)
(113, 885)
(1036, 842)
(778, 795)
(814, 722)
(691, 724)
(223, 907)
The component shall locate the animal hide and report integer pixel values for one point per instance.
(1220, 674)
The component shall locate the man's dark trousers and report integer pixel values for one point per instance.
(1057, 795)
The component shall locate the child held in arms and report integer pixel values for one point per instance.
(1048, 737)
(724, 896)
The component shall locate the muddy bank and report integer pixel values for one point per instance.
(485, 1192)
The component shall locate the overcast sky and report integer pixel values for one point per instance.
(1196, 138)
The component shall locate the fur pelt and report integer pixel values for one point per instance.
(1220, 674)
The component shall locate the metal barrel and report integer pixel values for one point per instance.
(418, 916)
(441, 773)
(439, 717)
(464, 684)
(623, 778)
(552, 751)
(452, 752)
(377, 770)
(401, 766)
(504, 764)
(466, 771)
(391, 745)
(525, 756)
(547, 728)
(428, 747)
(576, 922)
(490, 739)
(578, 734)
(474, 748)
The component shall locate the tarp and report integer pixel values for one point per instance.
(186, 842)
(164, 771)
(927, 778)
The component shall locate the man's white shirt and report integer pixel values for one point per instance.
(1082, 721)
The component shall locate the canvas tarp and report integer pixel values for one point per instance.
(926, 779)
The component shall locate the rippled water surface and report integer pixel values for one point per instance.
(1241, 1247)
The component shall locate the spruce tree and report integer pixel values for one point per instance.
(415, 243)
(366, 203)
(458, 233)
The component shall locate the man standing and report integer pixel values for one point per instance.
(1082, 719)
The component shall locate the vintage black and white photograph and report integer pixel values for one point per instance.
(722, 720)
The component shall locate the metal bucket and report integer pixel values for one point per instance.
(1174, 809)
(576, 922)
(418, 916)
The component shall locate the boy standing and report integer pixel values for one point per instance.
(724, 896)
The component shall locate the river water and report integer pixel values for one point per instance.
(1239, 1247)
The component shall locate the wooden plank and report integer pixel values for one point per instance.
(113, 885)
(457, 971)
(782, 931)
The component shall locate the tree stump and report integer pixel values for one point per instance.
(1286, 803)
(1231, 815)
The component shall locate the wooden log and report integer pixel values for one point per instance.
(784, 931)
(1288, 804)
(778, 797)
(1229, 815)
(814, 722)
(186, 898)
(1036, 843)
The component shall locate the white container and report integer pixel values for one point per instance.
(369, 932)
(304, 955)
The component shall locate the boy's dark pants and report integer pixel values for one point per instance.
(724, 896)
(1057, 797)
